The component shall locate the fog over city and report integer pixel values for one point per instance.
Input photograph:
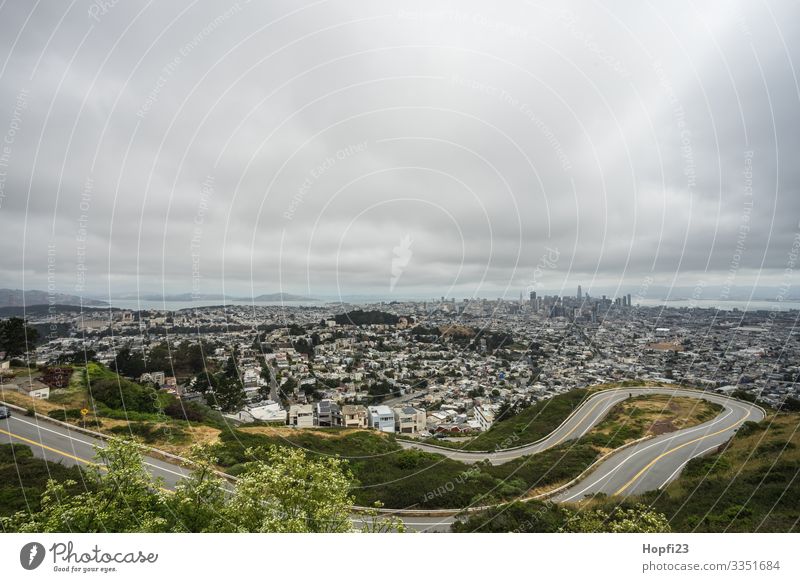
(398, 150)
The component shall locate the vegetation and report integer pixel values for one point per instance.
(282, 491)
(750, 485)
(16, 337)
(182, 359)
(398, 478)
(359, 317)
(637, 417)
(23, 479)
(548, 517)
(122, 394)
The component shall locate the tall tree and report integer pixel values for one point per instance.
(228, 393)
(16, 338)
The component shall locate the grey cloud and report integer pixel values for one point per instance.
(619, 135)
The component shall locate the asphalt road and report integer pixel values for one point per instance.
(56, 443)
(653, 463)
(595, 408)
(648, 465)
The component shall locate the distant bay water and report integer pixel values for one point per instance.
(723, 305)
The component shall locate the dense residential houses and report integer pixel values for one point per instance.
(454, 363)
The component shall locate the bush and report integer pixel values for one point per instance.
(65, 414)
(149, 433)
(185, 411)
(121, 394)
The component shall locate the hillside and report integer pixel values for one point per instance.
(19, 298)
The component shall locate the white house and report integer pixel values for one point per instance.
(37, 390)
(485, 416)
(381, 418)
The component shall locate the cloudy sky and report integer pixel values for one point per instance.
(442, 148)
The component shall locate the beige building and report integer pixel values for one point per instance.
(301, 416)
(354, 416)
(409, 420)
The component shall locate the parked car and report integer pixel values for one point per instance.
(4, 412)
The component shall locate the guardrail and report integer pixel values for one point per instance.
(99, 435)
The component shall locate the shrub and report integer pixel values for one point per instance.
(65, 414)
(121, 394)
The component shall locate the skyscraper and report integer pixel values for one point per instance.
(580, 293)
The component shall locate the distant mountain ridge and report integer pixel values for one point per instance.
(19, 298)
(212, 297)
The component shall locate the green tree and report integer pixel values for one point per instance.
(228, 393)
(127, 363)
(288, 492)
(16, 338)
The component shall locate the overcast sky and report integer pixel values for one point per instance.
(445, 148)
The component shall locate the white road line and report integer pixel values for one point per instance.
(682, 465)
(70, 437)
(655, 444)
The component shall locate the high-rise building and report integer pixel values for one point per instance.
(629, 300)
(580, 294)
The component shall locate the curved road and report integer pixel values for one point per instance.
(648, 465)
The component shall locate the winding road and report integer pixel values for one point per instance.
(642, 466)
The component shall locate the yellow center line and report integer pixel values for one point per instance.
(664, 454)
(44, 446)
(584, 417)
(64, 453)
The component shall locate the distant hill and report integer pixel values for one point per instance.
(19, 298)
(213, 297)
(39, 310)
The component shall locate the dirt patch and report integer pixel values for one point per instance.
(661, 427)
(666, 347)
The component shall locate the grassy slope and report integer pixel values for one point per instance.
(154, 429)
(752, 484)
(23, 478)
